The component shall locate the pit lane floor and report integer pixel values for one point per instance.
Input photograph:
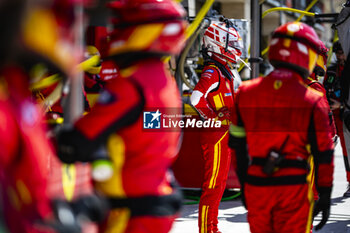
(233, 216)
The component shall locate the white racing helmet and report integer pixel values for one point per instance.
(215, 41)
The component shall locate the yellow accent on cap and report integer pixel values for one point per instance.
(287, 42)
(312, 60)
(92, 50)
(94, 70)
(45, 82)
(291, 29)
(89, 63)
(40, 33)
(127, 72)
(141, 38)
(321, 62)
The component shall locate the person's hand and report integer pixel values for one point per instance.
(335, 104)
(92, 206)
(323, 204)
(66, 150)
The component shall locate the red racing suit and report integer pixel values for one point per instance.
(280, 114)
(212, 97)
(319, 87)
(141, 196)
(25, 152)
(94, 83)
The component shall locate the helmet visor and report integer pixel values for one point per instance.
(236, 44)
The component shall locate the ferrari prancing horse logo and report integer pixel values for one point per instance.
(277, 84)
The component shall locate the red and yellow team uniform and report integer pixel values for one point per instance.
(25, 153)
(139, 191)
(280, 113)
(212, 94)
(319, 87)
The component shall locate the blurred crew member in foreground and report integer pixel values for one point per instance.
(139, 189)
(25, 150)
(277, 122)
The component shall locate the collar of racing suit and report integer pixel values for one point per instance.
(222, 65)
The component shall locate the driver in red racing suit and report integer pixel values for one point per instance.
(277, 121)
(213, 97)
(140, 193)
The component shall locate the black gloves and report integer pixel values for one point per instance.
(242, 161)
(67, 150)
(70, 217)
(65, 219)
(94, 207)
(323, 204)
(73, 146)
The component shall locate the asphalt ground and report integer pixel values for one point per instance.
(233, 216)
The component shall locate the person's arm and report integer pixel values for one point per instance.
(120, 105)
(319, 87)
(322, 149)
(208, 82)
(237, 141)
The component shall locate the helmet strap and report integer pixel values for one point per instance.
(227, 34)
(229, 25)
(222, 68)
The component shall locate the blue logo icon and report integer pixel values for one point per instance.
(151, 120)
